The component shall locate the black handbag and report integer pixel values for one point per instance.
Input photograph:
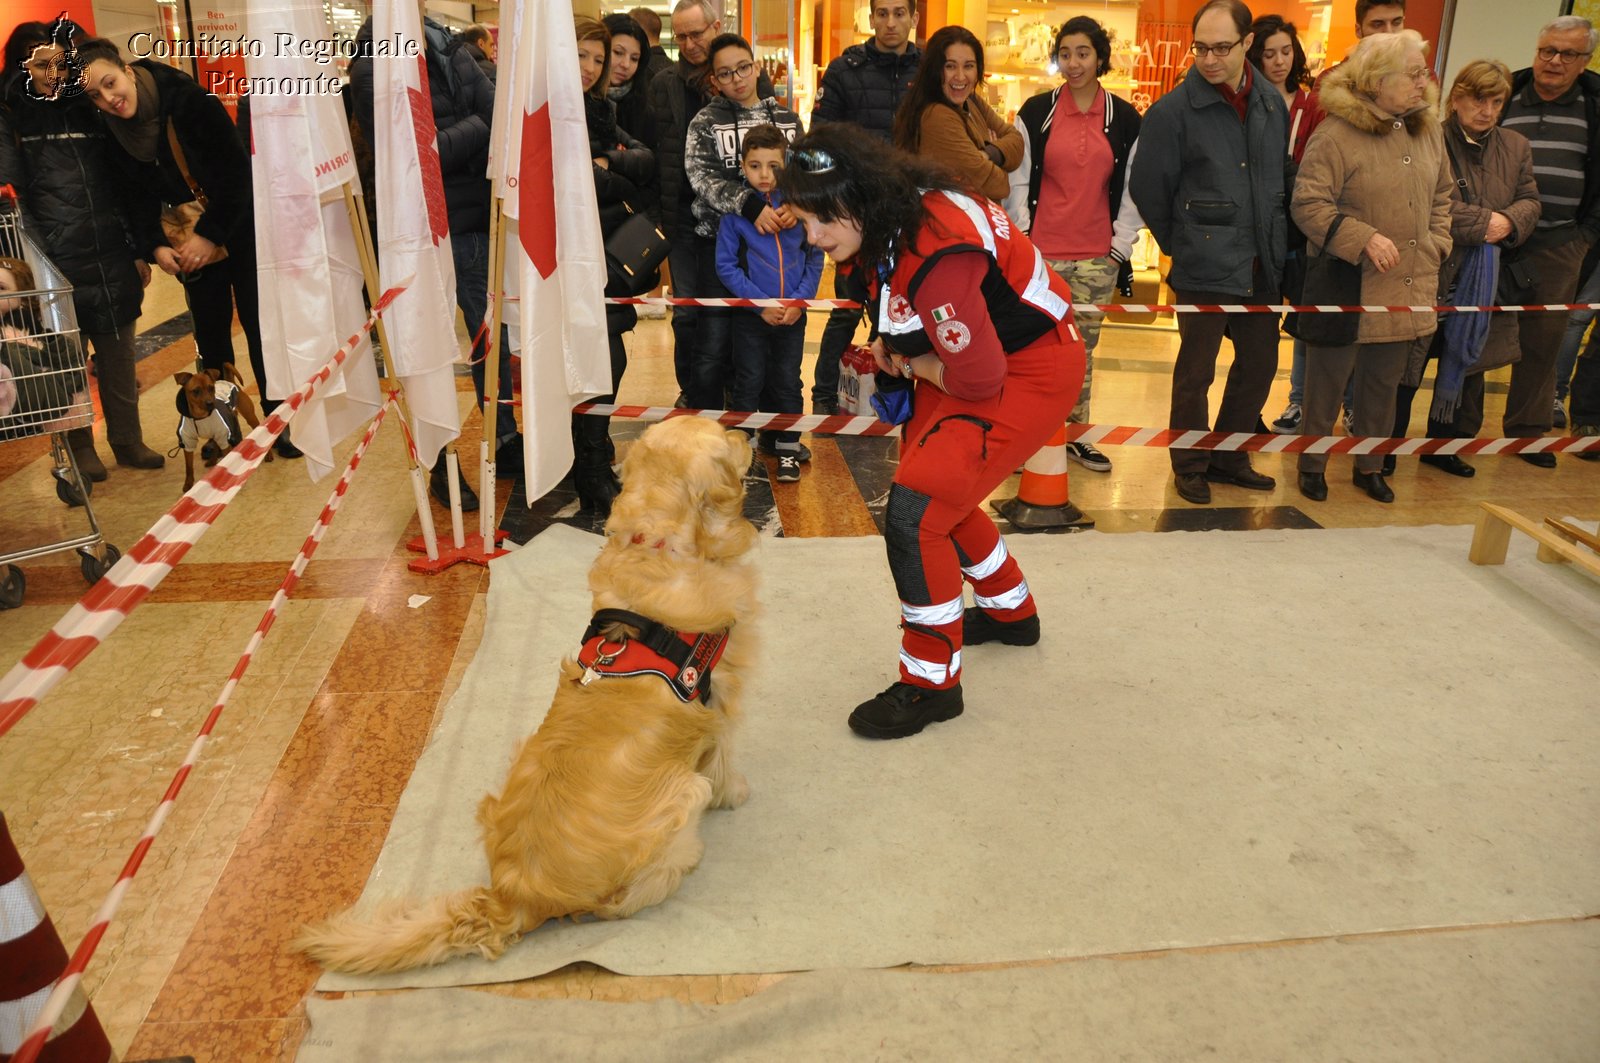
(1330, 281)
(634, 254)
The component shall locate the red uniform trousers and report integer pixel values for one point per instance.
(954, 453)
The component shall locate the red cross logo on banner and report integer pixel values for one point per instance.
(536, 192)
(428, 154)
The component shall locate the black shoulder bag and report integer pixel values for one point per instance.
(1330, 281)
(634, 254)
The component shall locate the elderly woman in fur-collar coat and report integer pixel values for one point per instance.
(1379, 161)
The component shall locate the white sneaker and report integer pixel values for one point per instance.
(1288, 422)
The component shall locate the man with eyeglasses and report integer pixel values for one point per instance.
(1555, 104)
(1209, 177)
(676, 95)
(864, 85)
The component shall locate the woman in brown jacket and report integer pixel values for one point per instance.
(1496, 201)
(944, 120)
(1377, 163)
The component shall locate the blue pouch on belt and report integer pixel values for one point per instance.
(892, 400)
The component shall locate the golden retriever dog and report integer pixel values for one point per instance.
(600, 812)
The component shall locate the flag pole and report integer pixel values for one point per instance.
(491, 372)
(355, 207)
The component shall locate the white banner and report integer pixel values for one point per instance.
(540, 165)
(309, 269)
(414, 229)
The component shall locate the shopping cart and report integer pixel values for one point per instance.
(44, 390)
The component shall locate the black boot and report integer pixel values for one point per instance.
(591, 464)
(979, 627)
(904, 709)
(439, 486)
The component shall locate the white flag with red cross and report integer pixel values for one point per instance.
(308, 265)
(541, 166)
(414, 228)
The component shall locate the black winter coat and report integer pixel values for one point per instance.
(628, 180)
(53, 153)
(485, 64)
(217, 162)
(864, 85)
(463, 110)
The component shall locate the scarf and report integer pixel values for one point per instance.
(1239, 99)
(140, 134)
(1464, 334)
(617, 92)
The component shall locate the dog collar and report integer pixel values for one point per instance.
(684, 659)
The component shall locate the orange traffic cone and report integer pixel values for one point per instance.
(1041, 500)
(32, 957)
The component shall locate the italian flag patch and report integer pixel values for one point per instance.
(943, 313)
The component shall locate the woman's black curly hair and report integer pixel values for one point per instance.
(839, 171)
(1268, 26)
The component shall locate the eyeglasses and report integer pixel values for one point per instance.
(1416, 74)
(726, 77)
(693, 35)
(1550, 55)
(1200, 51)
(812, 160)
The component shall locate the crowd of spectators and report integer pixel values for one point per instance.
(1246, 173)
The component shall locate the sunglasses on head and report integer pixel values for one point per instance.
(812, 160)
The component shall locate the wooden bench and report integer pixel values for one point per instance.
(1558, 541)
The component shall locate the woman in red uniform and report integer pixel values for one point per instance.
(966, 307)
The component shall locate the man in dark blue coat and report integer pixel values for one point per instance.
(1208, 176)
(863, 85)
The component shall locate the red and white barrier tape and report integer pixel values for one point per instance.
(129, 582)
(28, 1052)
(1133, 308)
(843, 424)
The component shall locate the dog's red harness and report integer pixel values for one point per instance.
(683, 659)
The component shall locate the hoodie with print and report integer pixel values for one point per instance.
(712, 156)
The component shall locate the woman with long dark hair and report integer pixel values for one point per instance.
(628, 83)
(944, 118)
(624, 182)
(52, 151)
(170, 137)
(966, 308)
(1277, 52)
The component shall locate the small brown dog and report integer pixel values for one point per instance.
(601, 809)
(209, 408)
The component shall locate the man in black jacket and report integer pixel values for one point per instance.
(676, 96)
(1556, 104)
(463, 111)
(650, 22)
(863, 85)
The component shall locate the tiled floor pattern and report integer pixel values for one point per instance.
(287, 811)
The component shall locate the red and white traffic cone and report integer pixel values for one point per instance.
(32, 957)
(1041, 500)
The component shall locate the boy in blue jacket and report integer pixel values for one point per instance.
(768, 342)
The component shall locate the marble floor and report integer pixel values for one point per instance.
(284, 816)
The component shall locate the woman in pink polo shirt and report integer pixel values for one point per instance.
(1067, 193)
